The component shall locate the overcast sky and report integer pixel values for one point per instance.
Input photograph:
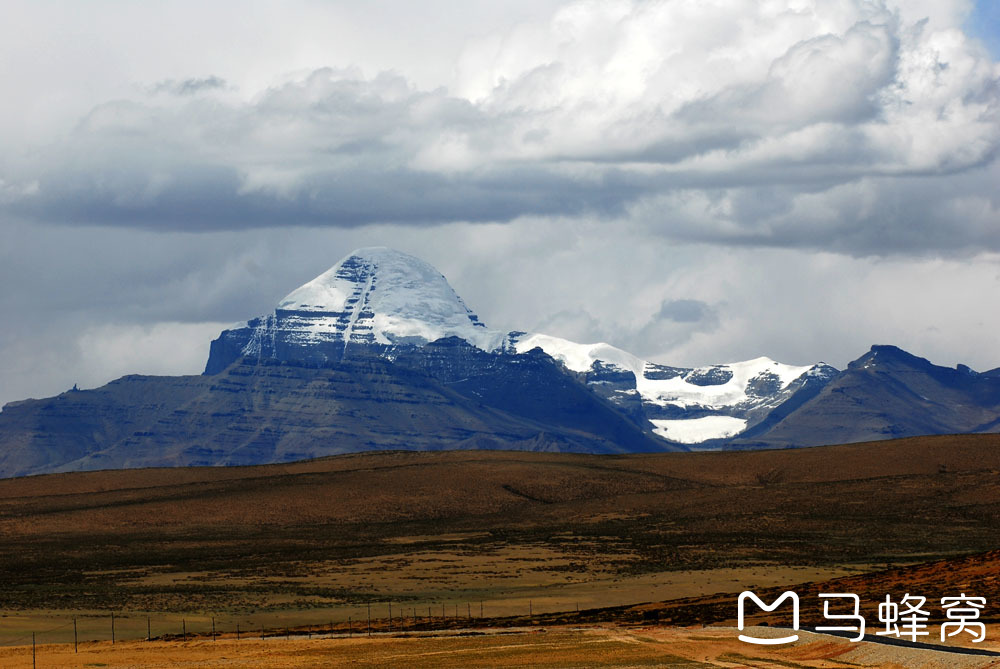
(696, 181)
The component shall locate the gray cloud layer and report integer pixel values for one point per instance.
(845, 125)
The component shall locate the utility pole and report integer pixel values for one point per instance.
(76, 644)
(369, 618)
(112, 628)
(149, 637)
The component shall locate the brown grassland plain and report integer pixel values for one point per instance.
(437, 533)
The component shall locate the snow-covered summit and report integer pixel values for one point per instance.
(383, 296)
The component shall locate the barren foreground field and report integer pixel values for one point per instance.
(593, 646)
(494, 540)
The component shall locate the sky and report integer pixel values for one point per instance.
(695, 181)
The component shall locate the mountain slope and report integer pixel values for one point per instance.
(253, 413)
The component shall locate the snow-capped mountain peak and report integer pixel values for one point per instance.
(378, 301)
(378, 295)
(389, 280)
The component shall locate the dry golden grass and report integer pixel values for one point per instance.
(594, 646)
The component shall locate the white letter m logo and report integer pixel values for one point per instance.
(769, 642)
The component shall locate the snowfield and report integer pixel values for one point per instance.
(697, 430)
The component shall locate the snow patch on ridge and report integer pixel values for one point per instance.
(735, 387)
(680, 392)
(580, 357)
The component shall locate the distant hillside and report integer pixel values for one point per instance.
(889, 393)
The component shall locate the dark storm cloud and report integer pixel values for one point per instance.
(326, 151)
(685, 311)
(205, 197)
(155, 166)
